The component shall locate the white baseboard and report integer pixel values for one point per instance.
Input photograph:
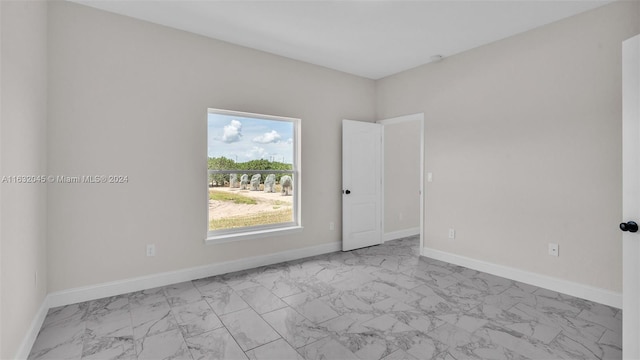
(32, 332)
(587, 292)
(400, 234)
(92, 292)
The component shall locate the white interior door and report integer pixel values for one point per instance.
(361, 184)
(631, 199)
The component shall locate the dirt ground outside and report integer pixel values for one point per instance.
(266, 202)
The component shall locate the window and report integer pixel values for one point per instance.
(253, 175)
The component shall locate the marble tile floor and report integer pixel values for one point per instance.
(382, 302)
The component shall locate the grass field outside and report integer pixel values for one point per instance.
(262, 218)
(233, 197)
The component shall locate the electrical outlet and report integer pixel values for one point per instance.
(400, 216)
(332, 226)
(151, 249)
(553, 249)
(429, 177)
(452, 233)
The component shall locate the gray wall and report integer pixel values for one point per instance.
(401, 176)
(23, 144)
(129, 97)
(523, 137)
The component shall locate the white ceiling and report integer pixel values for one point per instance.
(372, 39)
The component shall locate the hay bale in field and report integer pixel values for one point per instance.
(269, 183)
(244, 182)
(233, 181)
(255, 182)
(287, 185)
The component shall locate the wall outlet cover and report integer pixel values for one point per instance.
(553, 249)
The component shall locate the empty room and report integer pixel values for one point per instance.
(319, 179)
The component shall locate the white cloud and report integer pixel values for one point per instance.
(232, 132)
(266, 138)
(257, 153)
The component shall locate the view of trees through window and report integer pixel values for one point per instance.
(251, 169)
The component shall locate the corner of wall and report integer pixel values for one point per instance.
(537, 88)
(23, 70)
(1, 202)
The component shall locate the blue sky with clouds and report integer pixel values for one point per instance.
(243, 139)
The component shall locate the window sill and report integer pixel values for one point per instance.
(221, 239)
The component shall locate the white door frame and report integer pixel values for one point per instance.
(631, 198)
(400, 119)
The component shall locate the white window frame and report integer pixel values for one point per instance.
(253, 232)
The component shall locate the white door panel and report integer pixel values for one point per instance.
(631, 199)
(361, 184)
(363, 217)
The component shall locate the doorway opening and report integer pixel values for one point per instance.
(403, 177)
(382, 180)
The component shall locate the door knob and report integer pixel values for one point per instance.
(347, 192)
(629, 226)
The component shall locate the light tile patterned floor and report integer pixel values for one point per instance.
(382, 302)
